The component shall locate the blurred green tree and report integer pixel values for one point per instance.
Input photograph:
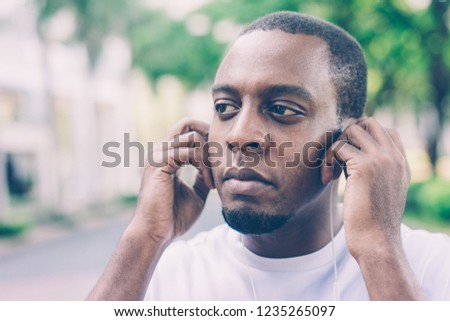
(407, 49)
(95, 20)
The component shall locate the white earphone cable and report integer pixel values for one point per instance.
(336, 289)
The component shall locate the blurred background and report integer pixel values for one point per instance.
(76, 74)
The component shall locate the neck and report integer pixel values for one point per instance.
(307, 232)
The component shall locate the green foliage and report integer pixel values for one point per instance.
(95, 20)
(11, 230)
(129, 199)
(430, 199)
(244, 11)
(161, 46)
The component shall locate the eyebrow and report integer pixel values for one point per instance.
(271, 90)
(225, 89)
(302, 92)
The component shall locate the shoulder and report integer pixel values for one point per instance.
(420, 240)
(429, 256)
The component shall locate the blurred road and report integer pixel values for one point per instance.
(67, 267)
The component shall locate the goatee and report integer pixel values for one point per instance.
(247, 221)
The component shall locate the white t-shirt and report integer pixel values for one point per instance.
(215, 265)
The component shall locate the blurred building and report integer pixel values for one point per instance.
(56, 114)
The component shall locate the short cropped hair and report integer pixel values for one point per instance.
(348, 68)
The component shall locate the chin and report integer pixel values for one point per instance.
(249, 221)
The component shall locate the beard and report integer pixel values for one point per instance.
(247, 221)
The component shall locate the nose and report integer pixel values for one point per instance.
(247, 133)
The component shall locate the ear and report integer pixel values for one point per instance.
(330, 172)
(330, 168)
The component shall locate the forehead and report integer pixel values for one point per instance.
(263, 58)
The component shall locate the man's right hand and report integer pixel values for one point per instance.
(167, 207)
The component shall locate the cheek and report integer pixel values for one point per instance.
(217, 154)
(298, 168)
(291, 155)
(298, 186)
(313, 153)
(217, 134)
(305, 152)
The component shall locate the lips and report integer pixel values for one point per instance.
(245, 181)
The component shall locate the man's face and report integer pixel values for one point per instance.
(272, 93)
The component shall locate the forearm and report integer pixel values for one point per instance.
(129, 271)
(388, 276)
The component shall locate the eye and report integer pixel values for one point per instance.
(282, 110)
(223, 108)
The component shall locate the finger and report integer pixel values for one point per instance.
(190, 139)
(395, 136)
(378, 132)
(171, 160)
(360, 138)
(345, 152)
(350, 121)
(399, 145)
(187, 125)
(194, 140)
